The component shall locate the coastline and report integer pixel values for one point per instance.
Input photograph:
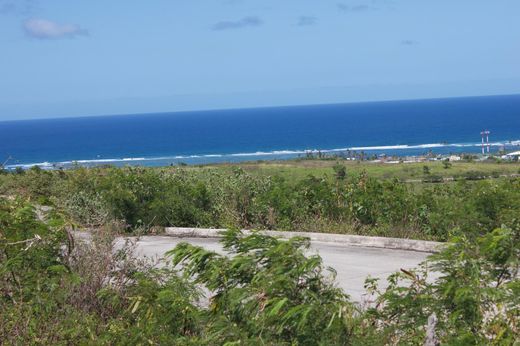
(410, 153)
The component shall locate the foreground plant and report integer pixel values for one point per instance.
(33, 273)
(264, 291)
(268, 291)
(468, 294)
(57, 289)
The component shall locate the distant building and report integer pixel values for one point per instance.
(512, 156)
(454, 158)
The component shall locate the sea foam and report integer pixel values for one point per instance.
(252, 155)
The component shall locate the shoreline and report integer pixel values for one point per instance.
(401, 153)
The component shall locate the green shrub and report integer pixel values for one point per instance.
(146, 197)
(433, 179)
(471, 287)
(57, 290)
(474, 175)
(267, 290)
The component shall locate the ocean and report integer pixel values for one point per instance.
(411, 127)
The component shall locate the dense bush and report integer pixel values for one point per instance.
(55, 290)
(33, 275)
(142, 197)
(469, 294)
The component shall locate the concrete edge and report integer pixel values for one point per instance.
(339, 239)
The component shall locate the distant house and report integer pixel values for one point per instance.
(515, 155)
(454, 158)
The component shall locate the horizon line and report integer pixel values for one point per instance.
(262, 107)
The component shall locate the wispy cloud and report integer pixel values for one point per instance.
(353, 8)
(306, 21)
(250, 21)
(18, 7)
(46, 29)
(409, 42)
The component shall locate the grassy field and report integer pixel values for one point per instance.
(299, 169)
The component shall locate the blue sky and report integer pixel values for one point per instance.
(74, 58)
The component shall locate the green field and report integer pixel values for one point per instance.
(300, 169)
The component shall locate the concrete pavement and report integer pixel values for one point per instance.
(352, 263)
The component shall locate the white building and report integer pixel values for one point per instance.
(454, 158)
(511, 156)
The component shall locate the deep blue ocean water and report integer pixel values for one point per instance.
(393, 127)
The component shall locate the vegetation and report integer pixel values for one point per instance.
(473, 297)
(340, 201)
(57, 290)
(406, 172)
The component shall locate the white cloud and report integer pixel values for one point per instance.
(46, 29)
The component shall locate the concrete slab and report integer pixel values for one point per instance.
(352, 263)
(343, 239)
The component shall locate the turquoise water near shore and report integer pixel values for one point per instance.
(393, 127)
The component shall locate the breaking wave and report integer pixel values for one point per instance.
(207, 158)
